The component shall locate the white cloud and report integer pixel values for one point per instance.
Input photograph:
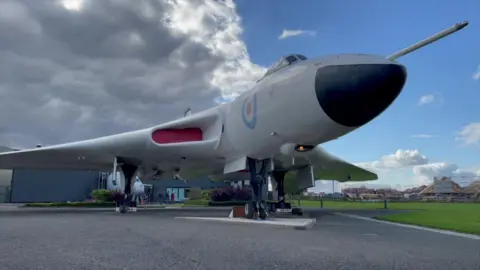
(426, 99)
(104, 67)
(470, 134)
(422, 136)
(425, 173)
(399, 159)
(409, 168)
(292, 33)
(476, 75)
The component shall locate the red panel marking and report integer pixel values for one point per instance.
(162, 136)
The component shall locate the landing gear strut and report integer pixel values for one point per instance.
(256, 208)
(129, 200)
(280, 205)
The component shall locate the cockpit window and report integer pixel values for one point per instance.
(292, 59)
(283, 62)
(301, 57)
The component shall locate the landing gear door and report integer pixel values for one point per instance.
(305, 178)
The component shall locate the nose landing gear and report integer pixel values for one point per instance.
(256, 208)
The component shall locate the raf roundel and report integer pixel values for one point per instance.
(249, 111)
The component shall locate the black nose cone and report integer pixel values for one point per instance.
(353, 95)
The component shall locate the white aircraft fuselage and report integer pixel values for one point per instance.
(308, 102)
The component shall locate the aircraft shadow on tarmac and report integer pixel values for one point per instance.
(200, 212)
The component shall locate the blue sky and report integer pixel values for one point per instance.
(443, 70)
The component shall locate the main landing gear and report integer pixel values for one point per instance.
(129, 201)
(281, 206)
(258, 207)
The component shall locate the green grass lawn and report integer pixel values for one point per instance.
(461, 217)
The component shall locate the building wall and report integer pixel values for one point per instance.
(5, 181)
(5, 178)
(52, 186)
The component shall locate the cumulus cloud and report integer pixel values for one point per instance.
(399, 159)
(79, 69)
(470, 134)
(292, 33)
(398, 167)
(425, 173)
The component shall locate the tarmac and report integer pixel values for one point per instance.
(159, 240)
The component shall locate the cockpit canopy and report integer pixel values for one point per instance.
(283, 62)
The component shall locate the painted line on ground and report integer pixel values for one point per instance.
(445, 232)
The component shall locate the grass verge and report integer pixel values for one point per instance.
(460, 217)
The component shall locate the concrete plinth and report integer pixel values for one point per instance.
(295, 223)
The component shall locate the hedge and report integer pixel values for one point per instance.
(105, 195)
(227, 194)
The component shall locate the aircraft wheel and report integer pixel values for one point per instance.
(249, 210)
(123, 209)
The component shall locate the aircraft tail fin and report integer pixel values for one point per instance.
(431, 39)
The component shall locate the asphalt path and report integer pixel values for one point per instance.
(155, 240)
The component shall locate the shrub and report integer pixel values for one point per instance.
(242, 194)
(227, 203)
(105, 195)
(206, 194)
(221, 195)
(101, 194)
(229, 194)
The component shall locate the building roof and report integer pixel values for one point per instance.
(443, 185)
(474, 187)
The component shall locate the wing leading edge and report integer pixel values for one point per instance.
(94, 154)
(330, 167)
